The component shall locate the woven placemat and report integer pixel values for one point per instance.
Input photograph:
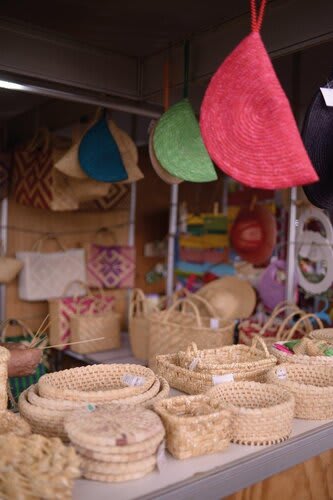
(118, 426)
(112, 478)
(89, 465)
(120, 457)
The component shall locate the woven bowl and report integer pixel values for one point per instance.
(96, 383)
(312, 387)
(301, 359)
(262, 414)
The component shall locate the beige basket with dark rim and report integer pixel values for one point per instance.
(173, 330)
(95, 383)
(194, 425)
(283, 357)
(228, 359)
(262, 414)
(312, 387)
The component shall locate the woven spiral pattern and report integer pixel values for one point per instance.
(178, 145)
(95, 383)
(247, 123)
(261, 413)
(312, 387)
(194, 426)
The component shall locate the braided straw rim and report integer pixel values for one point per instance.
(13, 424)
(67, 384)
(91, 465)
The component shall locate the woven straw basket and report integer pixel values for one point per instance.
(261, 413)
(96, 383)
(312, 387)
(325, 334)
(138, 325)
(173, 330)
(194, 426)
(4, 357)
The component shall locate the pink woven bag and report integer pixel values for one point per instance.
(246, 121)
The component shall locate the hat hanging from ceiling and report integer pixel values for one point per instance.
(253, 234)
(179, 147)
(231, 297)
(318, 140)
(161, 172)
(99, 155)
(246, 121)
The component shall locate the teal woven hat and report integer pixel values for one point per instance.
(179, 147)
(99, 155)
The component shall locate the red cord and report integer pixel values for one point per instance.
(257, 19)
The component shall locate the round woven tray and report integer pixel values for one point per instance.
(14, 424)
(151, 449)
(89, 465)
(112, 478)
(123, 426)
(262, 414)
(95, 383)
(312, 387)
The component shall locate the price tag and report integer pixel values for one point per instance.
(133, 380)
(193, 364)
(161, 456)
(281, 373)
(327, 95)
(222, 379)
(214, 323)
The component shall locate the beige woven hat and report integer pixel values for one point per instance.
(231, 297)
(161, 172)
(69, 164)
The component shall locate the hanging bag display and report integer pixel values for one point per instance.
(61, 311)
(46, 275)
(110, 266)
(9, 267)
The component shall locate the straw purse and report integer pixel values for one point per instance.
(174, 329)
(138, 324)
(45, 275)
(9, 267)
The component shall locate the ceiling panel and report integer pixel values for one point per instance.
(132, 27)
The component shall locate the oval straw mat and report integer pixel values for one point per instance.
(112, 478)
(120, 457)
(142, 465)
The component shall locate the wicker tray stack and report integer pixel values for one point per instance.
(116, 445)
(195, 371)
(46, 405)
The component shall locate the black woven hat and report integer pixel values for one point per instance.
(318, 140)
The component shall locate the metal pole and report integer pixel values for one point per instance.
(291, 257)
(131, 228)
(171, 239)
(4, 241)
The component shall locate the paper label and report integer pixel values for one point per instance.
(193, 364)
(161, 456)
(133, 380)
(327, 95)
(221, 379)
(281, 373)
(214, 323)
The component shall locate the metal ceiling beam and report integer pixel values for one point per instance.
(289, 26)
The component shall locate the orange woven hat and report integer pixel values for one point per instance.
(246, 121)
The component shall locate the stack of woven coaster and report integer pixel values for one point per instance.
(117, 443)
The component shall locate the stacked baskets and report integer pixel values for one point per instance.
(193, 371)
(46, 405)
(116, 446)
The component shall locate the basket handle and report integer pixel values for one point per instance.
(180, 303)
(283, 333)
(192, 349)
(300, 321)
(180, 294)
(137, 303)
(276, 312)
(14, 322)
(37, 246)
(205, 302)
(105, 231)
(254, 345)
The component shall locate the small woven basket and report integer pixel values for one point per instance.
(262, 414)
(325, 334)
(97, 383)
(194, 426)
(138, 325)
(229, 359)
(312, 387)
(173, 330)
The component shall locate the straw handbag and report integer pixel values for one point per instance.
(46, 274)
(261, 413)
(174, 329)
(9, 267)
(194, 426)
(138, 325)
(311, 385)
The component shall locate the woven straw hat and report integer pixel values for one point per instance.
(246, 121)
(161, 172)
(178, 145)
(318, 139)
(69, 163)
(231, 297)
(253, 234)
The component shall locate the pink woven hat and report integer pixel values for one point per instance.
(246, 120)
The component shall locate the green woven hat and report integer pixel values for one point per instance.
(179, 147)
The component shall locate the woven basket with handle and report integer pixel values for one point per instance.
(261, 413)
(138, 325)
(311, 385)
(173, 330)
